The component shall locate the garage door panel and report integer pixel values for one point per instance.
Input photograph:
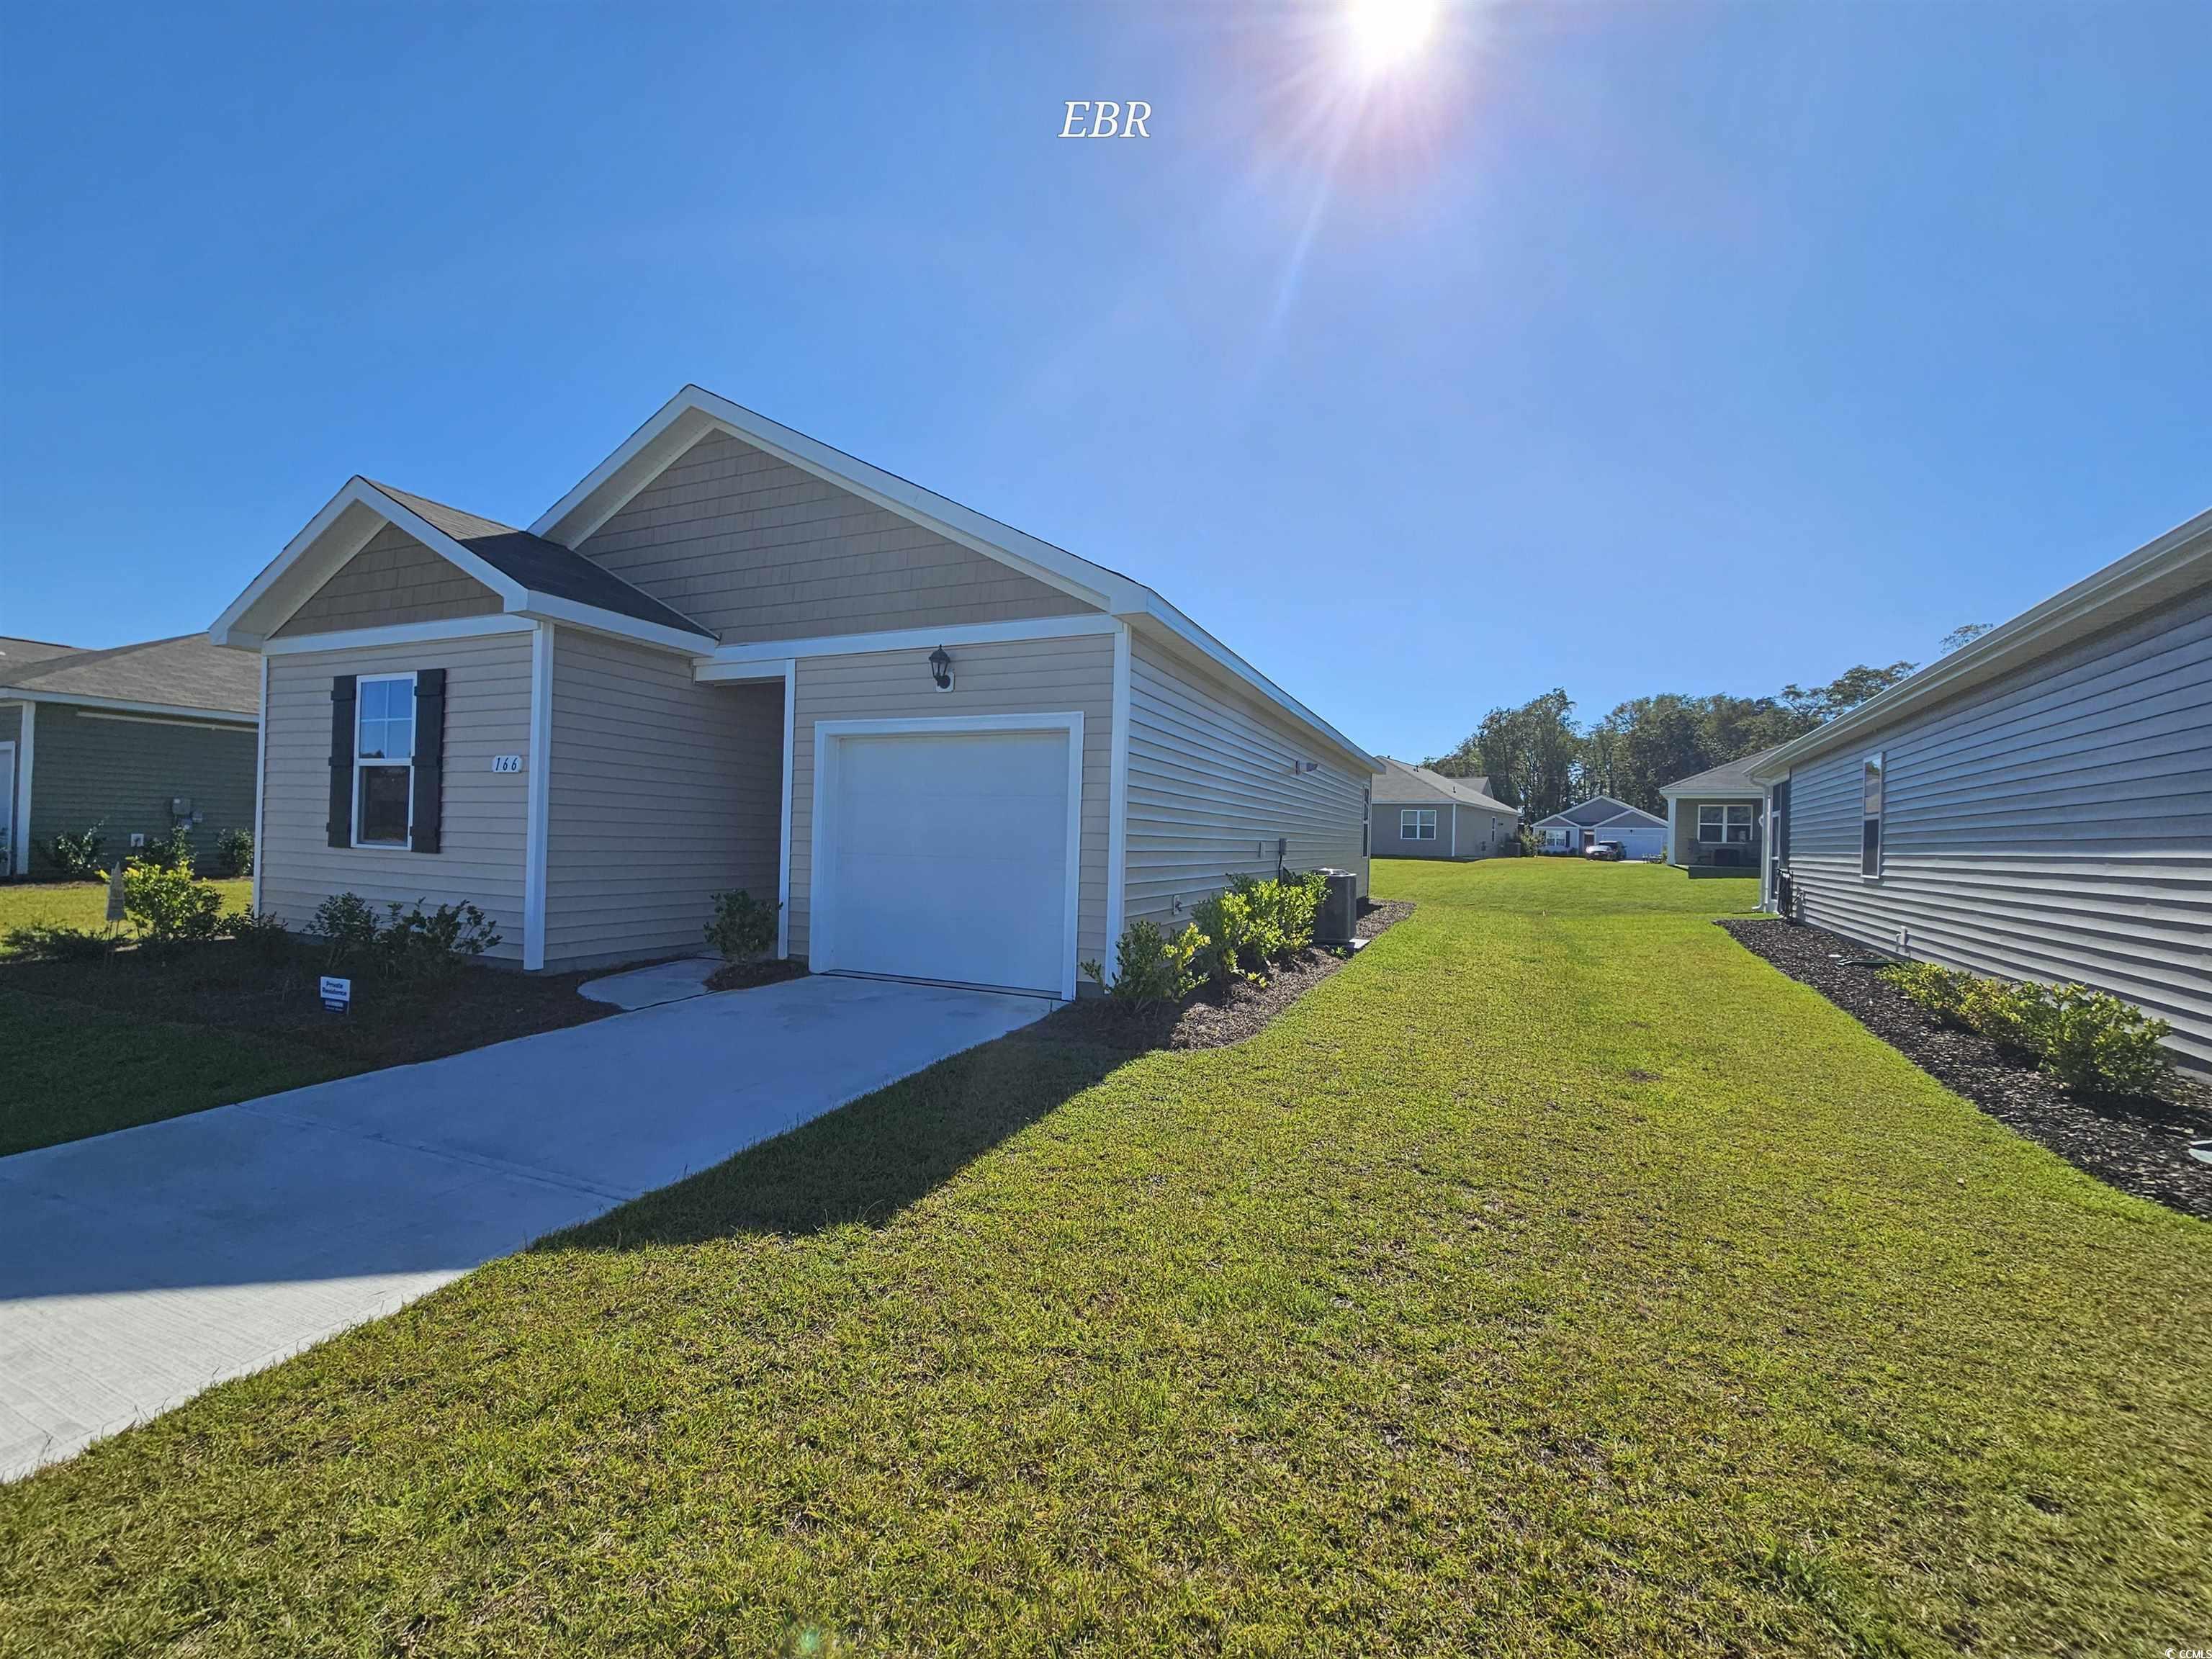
(946, 856)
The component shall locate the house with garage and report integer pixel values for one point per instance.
(1422, 814)
(132, 740)
(1715, 818)
(1641, 835)
(733, 656)
(2037, 804)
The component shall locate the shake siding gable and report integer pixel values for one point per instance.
(1026, 676)
(394, 579)
(2056, 827)
(756, 549)
(663, 792)
(481, 859)
(1212, 786)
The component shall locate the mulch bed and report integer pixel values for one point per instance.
(745, 976)
(2140, 1146)
(1208, 1017)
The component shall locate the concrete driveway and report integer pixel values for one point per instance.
(139, 1267)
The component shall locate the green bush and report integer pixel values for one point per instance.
(171, 851)
(2012, 1015)
(77, 858)
(233, 851)
(346, 927)
(1232, 948)
(743, 928)
(416, 944)
(55, 943)
(2094, 1042)
(1150, 968)
(1283, 912)
(1940, 991)
(168, 905)
(258, 930)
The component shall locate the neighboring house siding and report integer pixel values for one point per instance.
(1018, 676)
(394, 579)
(122, 773)
(1477, 839)
(1685, 849)
(12, 810)
(2056, 826)
(1212, 784)
(485, 812)
(755, 549)
(662, 792)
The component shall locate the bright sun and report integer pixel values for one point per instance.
(1386, 33)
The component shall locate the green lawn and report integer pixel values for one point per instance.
(1557, 1279)
(83, 904)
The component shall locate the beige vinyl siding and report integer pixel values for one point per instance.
(663, 792)
(394, 579)
(756, 549)
(1212, 786)
(122, 773)
(1025, 677)
(485, 813)
(2057, 825)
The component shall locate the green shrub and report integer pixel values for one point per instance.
(1232, 939)
(168, 905)
(55, 943)
(77, 858)
(171, 851)
(347, 928)
(1283, 912)
(233, 851)
(1940, 991)
(258, 930)
(2094, 1042)
(743, 928)
(2013, 1015)
(416, 944)
(1150, 968)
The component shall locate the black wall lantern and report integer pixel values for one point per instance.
(940, 669)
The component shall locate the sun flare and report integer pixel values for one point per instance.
(1385, 34)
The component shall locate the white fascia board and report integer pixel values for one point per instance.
(121, 706)
(1751, 792)
(547, 607)
(1164, 618)
(1635, 815)
(2178, 558)
(223, 630)
(905, 639)
(449, 628)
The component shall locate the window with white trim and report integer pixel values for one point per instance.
(383, 760)
(1723, 825)
(1417, 823)
(1870, 818)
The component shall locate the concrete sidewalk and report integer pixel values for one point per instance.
(139, 1267)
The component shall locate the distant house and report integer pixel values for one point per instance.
(136, 740)
(1602, 818)
(2037, 804)
(1716, 819)
(1420, 814)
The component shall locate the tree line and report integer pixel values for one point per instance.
(1538, 758)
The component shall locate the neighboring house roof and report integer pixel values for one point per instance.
(1730, 778)
(545, 567)
(1599, 810)
(15, 653)
(189, 672)
(2156, 574)
(1395, 782)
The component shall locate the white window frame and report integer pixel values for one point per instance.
(1424, 823)
(407, 845)
(1748, 824)
(1874, 808)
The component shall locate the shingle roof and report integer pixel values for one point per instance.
(188, 671)
(1599, 810)
(1398, 782)
(1730, 778)
(14, 652)
(545, 567)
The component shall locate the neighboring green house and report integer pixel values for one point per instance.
(136, 739)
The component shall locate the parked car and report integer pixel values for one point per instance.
(1605, 849)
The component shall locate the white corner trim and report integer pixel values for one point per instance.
(551, 608)
(449, 628)
(27, 737)
(540, 796)
(1117, 790)
(827, 734)
(904, 639)
(261, 782)
(121, 706)
(783, 848)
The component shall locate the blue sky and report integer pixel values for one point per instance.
(1625, 348)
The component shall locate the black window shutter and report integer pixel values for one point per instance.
(430, 757)
(341, 823)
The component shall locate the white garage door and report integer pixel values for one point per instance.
(946, 856)
(1639, 841)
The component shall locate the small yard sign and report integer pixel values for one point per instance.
(115, 912)
(506, 762)
(337, 995)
